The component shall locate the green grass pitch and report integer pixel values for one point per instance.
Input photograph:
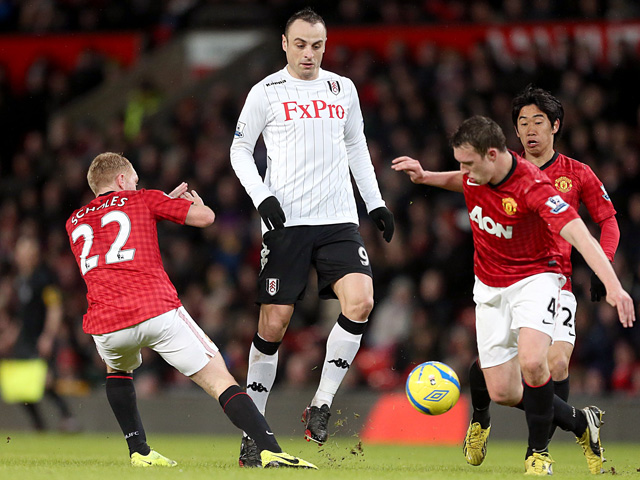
(28, 456)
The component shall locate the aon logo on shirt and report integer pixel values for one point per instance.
(489, 225)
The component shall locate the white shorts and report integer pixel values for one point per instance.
(174, 335)
(502, 311)
(565, 330)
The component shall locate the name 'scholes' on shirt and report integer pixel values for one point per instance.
(516, 224)
(114, 240)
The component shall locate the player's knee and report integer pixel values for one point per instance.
(533, 367)
(274, 320)
(505, 397)
(559, 367)
(359, 310)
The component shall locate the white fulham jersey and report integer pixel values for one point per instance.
(314, 134)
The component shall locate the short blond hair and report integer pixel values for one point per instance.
(105, 168)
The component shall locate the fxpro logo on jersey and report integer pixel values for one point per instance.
(489, 225)
(557, 204)
(315, 109)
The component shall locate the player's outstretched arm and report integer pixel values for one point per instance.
(447, 180)
(199, 215)
(576, 233)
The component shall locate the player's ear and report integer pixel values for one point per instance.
(284, 42)
(556, 126)
(120, 181)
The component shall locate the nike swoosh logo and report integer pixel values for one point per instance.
(547, 323)
(269, 433)
(293, 461)
(473, 184)
(572, 334)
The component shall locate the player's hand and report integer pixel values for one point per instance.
(410, 166)
(179, 190)
(272, 213)
(193, 197)
(598, 290)
(383, 218)
(623, 302)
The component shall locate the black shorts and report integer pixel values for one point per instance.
(288, 254)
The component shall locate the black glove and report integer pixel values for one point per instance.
(383, 218)
(271, 213)
(598, 289)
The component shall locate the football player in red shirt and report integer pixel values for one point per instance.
(516, 215)
(133, 304)
(537, 118)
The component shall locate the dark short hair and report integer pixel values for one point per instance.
(306, 14)
(547, 103)
(481, 133)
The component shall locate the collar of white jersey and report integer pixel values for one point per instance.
(321, 74)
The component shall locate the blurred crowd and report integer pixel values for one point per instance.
(164, 17)
(411, 100)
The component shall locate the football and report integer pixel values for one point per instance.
(433, 388)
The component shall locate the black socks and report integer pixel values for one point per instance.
(537, 402)
(244, 414)
(480, 398)
(122, 397)
(561, 389)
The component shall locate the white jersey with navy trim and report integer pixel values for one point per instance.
(314, 134)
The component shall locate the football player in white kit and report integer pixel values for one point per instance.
(312, 126)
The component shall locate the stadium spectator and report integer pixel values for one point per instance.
(308, 210)
(132, 304)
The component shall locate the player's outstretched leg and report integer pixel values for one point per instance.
(152, 459)
(316, 420)
(590, 439)
(282, 459)
(538, 464)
